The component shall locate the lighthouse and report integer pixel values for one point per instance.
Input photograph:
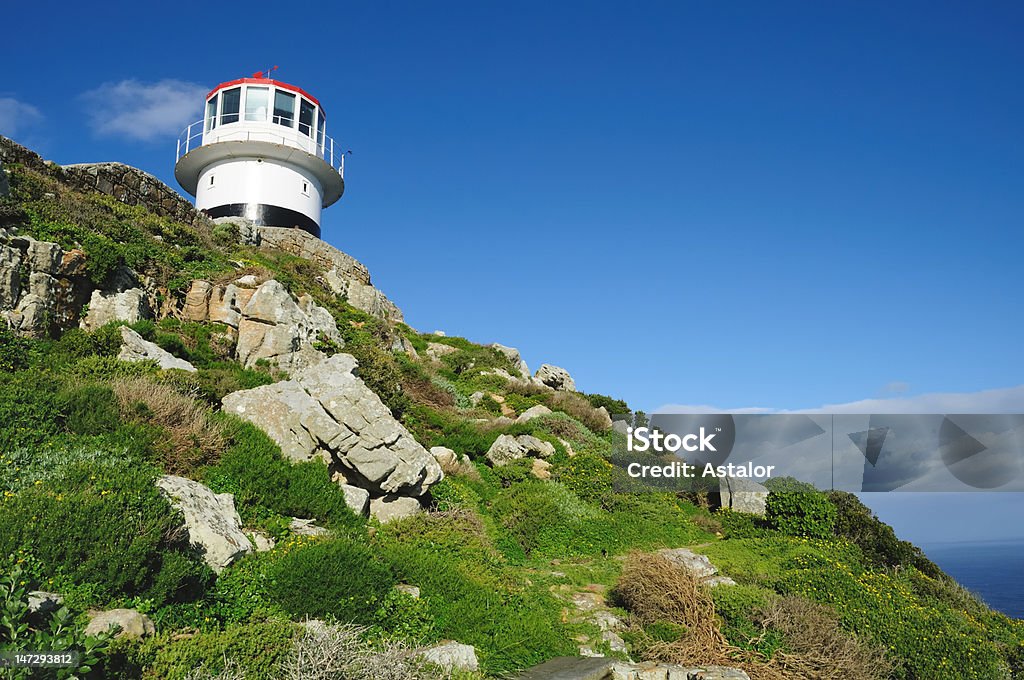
(261, 152)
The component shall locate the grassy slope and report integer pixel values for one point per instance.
(83, 435)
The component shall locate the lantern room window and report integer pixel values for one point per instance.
(284, 108)
(307, 113)
(211, 113)
(229, 105)
(257, 100)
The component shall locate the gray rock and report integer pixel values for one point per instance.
(698, 565)
(326, 411)
(452, 656)
(127, 622)
(606, 418)
(411, 591)
(719, 581)
(306, 527)
(514, 357)
(743, 495)
(197, 301)
(536, 447)
(135, 348)
(507, 448)
(533, 412)
(130, 305)
(556, 378)
(389, 508)
(436, 350)
(620, 426)
(41, 604)
(504, 450)
(571, 668)
(357, 499)
(276, 328)
(44, 257)
(657, 671)
(445, 457)
(210, 519)
(261, 542)
(10, 279)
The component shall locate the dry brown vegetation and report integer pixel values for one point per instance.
(656, 592)
(193, 438)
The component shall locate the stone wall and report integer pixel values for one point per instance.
(302, 244)
(125, 183)
(132, 187)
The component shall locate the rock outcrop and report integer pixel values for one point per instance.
(131, 186)
(555, 377)
(389, 508)
(276, 328)
(135, 348)
(42, 286)
(533, 412)
(344, 275)
(210, 519)
(514, 357)
(325, 411)
(743, 495)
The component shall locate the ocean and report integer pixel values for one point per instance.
(994, 570)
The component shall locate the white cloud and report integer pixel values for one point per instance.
(16, 116)
(144, 111)
(1003, 400)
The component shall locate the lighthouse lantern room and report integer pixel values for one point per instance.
(261, 152)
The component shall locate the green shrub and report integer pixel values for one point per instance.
(334, 577)
(857, 523)
(264, 482)
(615, 407)
(15, 351)
(90, 409)
(402, 616)
(798, 513)
(29, 414)
(512, 628)
(586, 475)
(103, 524)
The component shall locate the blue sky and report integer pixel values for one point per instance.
(776, 205)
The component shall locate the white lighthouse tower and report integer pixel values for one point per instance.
(261, 152)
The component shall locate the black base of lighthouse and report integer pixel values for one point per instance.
(264, 215)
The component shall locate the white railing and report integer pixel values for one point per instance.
(196, 134)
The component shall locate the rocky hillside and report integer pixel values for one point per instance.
(224, 455)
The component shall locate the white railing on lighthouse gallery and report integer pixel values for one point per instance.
(196, 134)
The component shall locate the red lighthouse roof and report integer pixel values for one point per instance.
(266, 81)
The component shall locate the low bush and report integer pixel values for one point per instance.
(256, 650)
(337, 578)
(799, 513)
(89, 409)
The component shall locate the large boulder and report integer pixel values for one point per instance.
(210, 519)
(42, 287)
(135, 348)
(743, 495)
(556, 378)
(326, 411)
(277, 328)
(127, 623)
